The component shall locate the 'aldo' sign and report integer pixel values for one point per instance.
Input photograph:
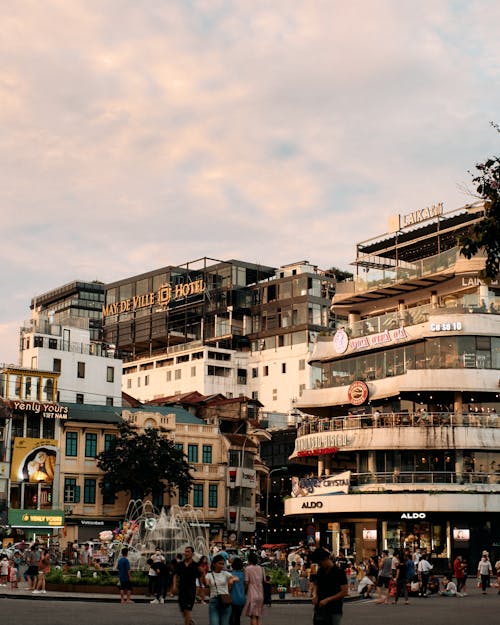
(413, 515)
(312, 504)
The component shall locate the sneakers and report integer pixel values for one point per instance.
(154, 601)
(36, 592)
(44, 592)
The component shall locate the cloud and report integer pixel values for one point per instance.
(141, 135)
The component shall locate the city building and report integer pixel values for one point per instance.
(403, 428)
(30, 428)
(88, 372)
(226, 327)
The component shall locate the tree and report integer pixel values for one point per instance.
(340, 274)
(143, 463)
(486, 233)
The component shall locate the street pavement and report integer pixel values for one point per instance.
(22, 608)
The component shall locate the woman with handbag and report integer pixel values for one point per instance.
(219, 582)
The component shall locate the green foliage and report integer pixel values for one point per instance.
(340, 274)
(90, 576)
(486, 234)
(278, 577)
(143, 463)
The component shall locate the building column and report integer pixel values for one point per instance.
(321, 465)
(458, 407)
(459, 465)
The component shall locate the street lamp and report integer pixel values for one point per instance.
(267, 496)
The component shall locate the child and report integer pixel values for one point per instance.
(13, 575)
(267, 590)
(4, 571)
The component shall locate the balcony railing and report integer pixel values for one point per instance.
(92, 349)
(399, 419)
(423, 477)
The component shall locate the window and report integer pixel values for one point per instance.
(169, 376)
(71, 490)
(158, 499)
(255, 372)
(52, 343)
(255, 394)
(265, 370)
(302, 364)
(79, 398)
(198, 495)
(89, 491)
(129, 383)
(183, 498)
(138, 382)
(109, 401)
(283, 367)
(110, 374)
(146, 380)
(192, 453)
(56, 365)
(178, 374)
(109, 440)
(206, 454)
(71, 443)
(212, 496)
(80, 370)
(107, 496)
(38, 341)
(193, 372)
(90, 445)
(49, 428)
(179, 446)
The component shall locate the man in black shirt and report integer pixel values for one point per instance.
(329, 587)
(186, 574)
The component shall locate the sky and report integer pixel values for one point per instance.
(135, 135)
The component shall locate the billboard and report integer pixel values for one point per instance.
(33, 460)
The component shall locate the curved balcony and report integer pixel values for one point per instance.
(398, 420)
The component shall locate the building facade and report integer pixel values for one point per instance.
(404, 427)
(220, 327)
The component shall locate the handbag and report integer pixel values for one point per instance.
(224, 600)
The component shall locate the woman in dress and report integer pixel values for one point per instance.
(254, 577)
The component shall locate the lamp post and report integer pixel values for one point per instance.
(267, 496)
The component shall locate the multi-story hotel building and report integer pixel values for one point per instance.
(404, 428)
(227, 327)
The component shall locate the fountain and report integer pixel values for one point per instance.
(144, 529)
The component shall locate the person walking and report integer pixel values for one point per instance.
(401, 577)
(254, 589)
(237, 592)
(329, 587)
(459, 573)
(32, 560)
(43, 570)
(484, 570)
(124, 577)
(186, 574)
(219, 582)
(384, 577)
(497, 571)
(424, 568)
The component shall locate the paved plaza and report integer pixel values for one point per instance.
(24, 609)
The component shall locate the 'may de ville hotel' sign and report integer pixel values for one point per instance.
(162, 297)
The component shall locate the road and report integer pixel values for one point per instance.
(432, 611)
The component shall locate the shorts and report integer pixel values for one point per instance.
(383, 582)
(186, 601)
(126, 585)
(32, 571)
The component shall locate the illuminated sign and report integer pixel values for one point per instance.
(330, 485)
(48, 410)
(36, 518)
(446, 326)
(323, 451)
(165, 294)
(423, 214)
(312, 504)
(369, 534)
(316, 442)
(378, 339)
(357, 393)
(413, 515)
(33, 460)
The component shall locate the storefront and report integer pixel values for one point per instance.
(42, 525)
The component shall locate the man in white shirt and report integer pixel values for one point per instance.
(424, 568)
